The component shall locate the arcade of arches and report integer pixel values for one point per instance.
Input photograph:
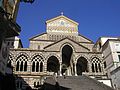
(67, 65)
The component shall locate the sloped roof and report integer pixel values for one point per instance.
(86, 38)
(68, 39)
(62, 16)
(36, 36)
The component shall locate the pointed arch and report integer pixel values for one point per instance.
(10, 60)
(21, 62)
(53, 64)
(67, 59)
(37, 59)
(55, 55)
(82, 65)
(69, 44)
(22, 54)
(67, 52)
(96, 65)
(38, 56)
(17, 66)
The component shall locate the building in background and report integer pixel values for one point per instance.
(60, 51)
(10, 7)
(111, 54)
(14, 42)
(8, 28)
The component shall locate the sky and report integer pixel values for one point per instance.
(96, 18)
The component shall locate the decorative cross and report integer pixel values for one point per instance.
(62, 13)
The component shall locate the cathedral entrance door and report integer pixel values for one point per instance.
(67, 52)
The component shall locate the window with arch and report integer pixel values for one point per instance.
(37, 64)
(21, 63)
(9, 63)
(96, 65)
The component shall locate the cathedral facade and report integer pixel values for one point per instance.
(60, 51)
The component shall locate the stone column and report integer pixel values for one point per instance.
(39, 66)
(29, 66)
(89, 67)
(60, 69)
(45, 66)
(94, 67)
(75, 68)
(98, 68)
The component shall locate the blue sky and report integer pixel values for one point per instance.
(96, 18)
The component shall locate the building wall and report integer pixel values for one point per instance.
(108, 57)
(115, 76)
(3, 57)
(14, 42)
(111, 56)
(11, 7)
(39, 44)
(45, 40)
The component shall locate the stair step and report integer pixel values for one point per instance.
(74, 83)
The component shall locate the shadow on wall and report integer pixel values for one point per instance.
(9, 83)
(21, 84)
(13, 82)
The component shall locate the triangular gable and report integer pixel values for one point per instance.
(57, 45)
(63, 17)
(62, 24)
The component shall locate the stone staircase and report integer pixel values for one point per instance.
(74, 83)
